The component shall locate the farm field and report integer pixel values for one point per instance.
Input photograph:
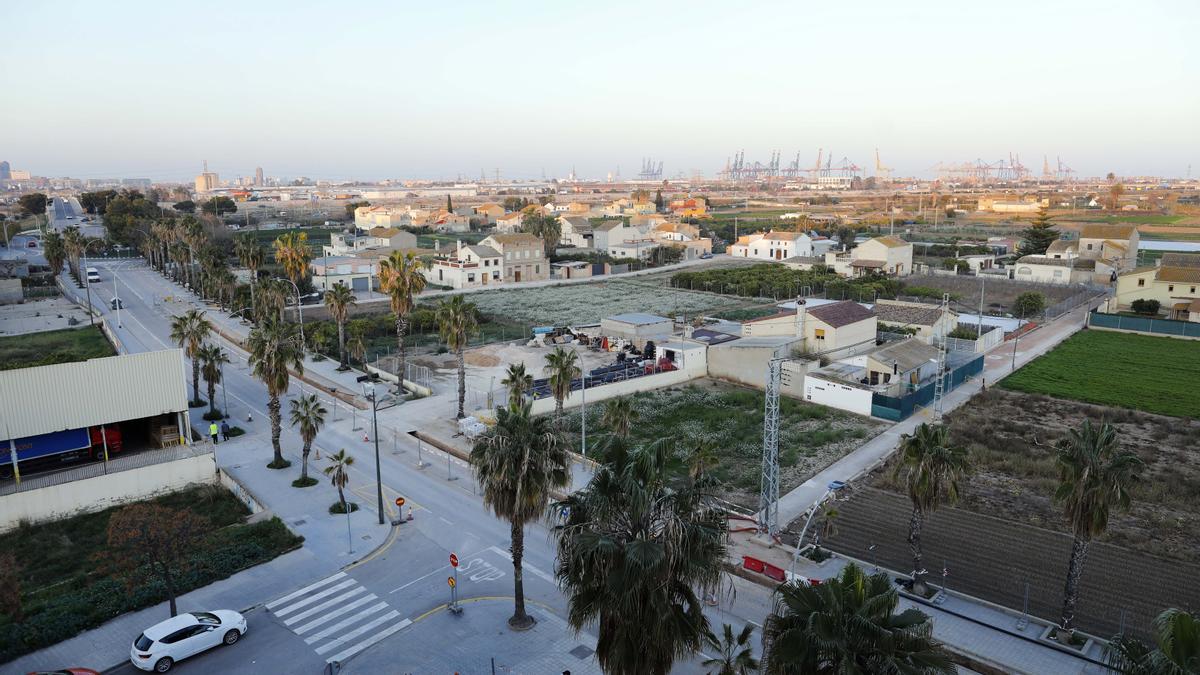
(811, 437)
(56, 346)
(1140, 372)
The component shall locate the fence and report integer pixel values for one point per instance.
(1086, 294)
(1145, 324)
(126, 463)
(991, 337)
(898, 408)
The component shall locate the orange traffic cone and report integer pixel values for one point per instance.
(366, 439)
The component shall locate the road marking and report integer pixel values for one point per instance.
(302, 591)
(313, 598)
(346, 622)
(356, 632)
(445, 521)
(300, 630)
(524, 565)
(324, 605)
(421, 578)
(342, 656)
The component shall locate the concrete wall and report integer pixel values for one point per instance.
(644, 383)
(10, 291)
(101, 492)
(837, 395)
(743, 365)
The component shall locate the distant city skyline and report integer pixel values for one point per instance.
(373, 90)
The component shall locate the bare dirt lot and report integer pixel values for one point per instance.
(999, 294)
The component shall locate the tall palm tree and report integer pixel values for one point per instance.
(702, 458)
(635, 550)
(293, 253)
(338, 300)
(518, 382)
(53, 250)
(848, 624)
(618, 416)
(1094, 475)
(73, 244)
(272, 298)
(190, 331)
(309, 416)
(563, 367)
(357, 347)
(250, 253)
(339, 474)
(736, 655)
(193, 236)
(518, 463)
(401, 277)
(457, 320)
(212, 358)
(275, 348)
(180, 254)
(931, 468)
(1177, 637)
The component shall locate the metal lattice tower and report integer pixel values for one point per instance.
(768, 501)
(939, 388)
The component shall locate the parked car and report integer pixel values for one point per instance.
(705, 256)
(116, 303)
(161, 645)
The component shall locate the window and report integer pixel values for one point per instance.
(495, 276)
(1171, 288)
(207, 618)
(439, 275)
(470, 278)
(1058, 274)
(1193, 289)
(1141, 283)
(537, 269)
(1089, 247)
(1024, 270)
(820, 333)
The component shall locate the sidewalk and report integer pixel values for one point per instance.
(325, 551)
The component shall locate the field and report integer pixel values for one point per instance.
(1142, 219)
(811, 437)
(55, 346)
(1141, 372)
(63, 590)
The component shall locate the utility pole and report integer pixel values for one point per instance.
(768, 503)
(371, 380)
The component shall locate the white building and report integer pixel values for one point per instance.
(773, 245)
(467, 267)
(360, 274)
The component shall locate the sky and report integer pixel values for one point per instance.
(373, 90)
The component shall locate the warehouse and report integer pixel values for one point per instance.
(637, 328)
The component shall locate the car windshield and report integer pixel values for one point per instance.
(205, 617)
(143, 643)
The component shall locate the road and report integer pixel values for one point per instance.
(336, 618)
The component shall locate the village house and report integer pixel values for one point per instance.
(772, 245)
(929, 321)
(523, 256)
(1114, 245)
(888, 255)
(360, 274)
(371, 217)
(687, 236)
(509, 223)
(467, 266)
(341, 243)
(1174, 283)
(844, 326)
(689, 207)
(448, 221)
(489, 213)
(576, 231)
(619, 240)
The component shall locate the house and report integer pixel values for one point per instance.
(888, 255)
(576, 231)
(370, 217)
(387, 238)
(489, 213)
(509, 223)
(687, 236)
(647, 221)
(1010, 205)
(1116, 244)
(466, 267)
(929, 320)
(523, 254)
(619, 240)
(1173, 283)
(843, 326)
(689, 207)
(908, 363)
(360, 274)
(638, 328)
(571, 269)
(447, 221)
(1047, 270)
(772, 246)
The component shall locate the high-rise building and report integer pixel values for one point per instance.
(207, 180)
(258, 176)
(6, 171)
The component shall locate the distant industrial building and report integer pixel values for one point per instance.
(207, 181)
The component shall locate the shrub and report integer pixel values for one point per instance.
(1029, 303)
(1145, 306)
(964, 333)
(336, 507)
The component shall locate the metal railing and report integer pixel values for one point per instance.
(94, 469)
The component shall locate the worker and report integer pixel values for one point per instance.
(224, 430)
(213, 429)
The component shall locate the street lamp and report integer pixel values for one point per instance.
(299, 307)
(372, 379)
(832, 491)
(582, 402)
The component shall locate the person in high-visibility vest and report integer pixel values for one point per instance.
(213, 429)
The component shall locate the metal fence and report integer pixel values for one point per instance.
(897, 408)
(126, 463)
(1145, 324)
(1086, 294)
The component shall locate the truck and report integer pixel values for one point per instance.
(58, 447)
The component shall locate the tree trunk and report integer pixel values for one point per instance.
(273, 412)
(195, 379)
(519, 620)
(462, 382)
(304, 462)
(212, 397)
(342, 345)
(169, 585)
(914, 544)
(1079, 551)
(401, 329)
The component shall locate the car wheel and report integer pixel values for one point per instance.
(163, 665)
(232, 637)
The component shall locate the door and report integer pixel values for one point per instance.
(516, 275)
(362, 284)
(199, 638)
(779, 254)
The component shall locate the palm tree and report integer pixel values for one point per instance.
(518, 382)
(1094, 474)
(357, 347)
(635, 550)
(457, 321)
(401, 277)
(179, 255)
(931, 468)
(250, 254)
(272, 298)
(562, 365)
(339, 299)
(848, 624)
(193, 237)
(338, 473)
(736, 656)
(190, 330)
(519, 463)
(309, 415)
(293, 253)
(73, 246)
(53, 250)
(274, 348)
(618, 416)
(212, 358)
(1177, 636)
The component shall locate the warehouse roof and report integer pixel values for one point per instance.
(63, 396)
(638, 318)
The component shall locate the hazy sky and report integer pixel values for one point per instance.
(434, 89)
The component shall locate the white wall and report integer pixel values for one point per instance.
(837, 395)
(644, 383)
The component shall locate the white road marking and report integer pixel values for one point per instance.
(315, 637)
(524, 565)
(356, 632)
(313, 598)
(300, 630)
(324, 605)
(302, 591)
(342, 656)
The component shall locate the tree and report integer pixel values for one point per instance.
(1094, 475)
(151, 538)
(10, 587)
(308, 415)
(275, 348)
(1177, 637)
(401, 277)
(457, 320)
(96, 202)
(339, 300)
(518, 382)
(618, 416)
(73, 243)
(350, 208)
(931, 468)
(635, 549)
(735, 654)
(250, 253)
(292, 252)
(212, 358)
(190, 331)
(519, 463)
(546, 227)
(356, 346)
(272, 298)
(563, 367)
(1029, 303)
(53, 250)
(33, 204)
(1114, 195)
(846, 236)
(185, 206)
(1036, 238)
(449, 204)
(848, 624)
(1143, 306)
(218, 206)
(339, 474)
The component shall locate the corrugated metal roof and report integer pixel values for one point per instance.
(64, 396)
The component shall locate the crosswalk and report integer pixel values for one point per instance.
(337, 616)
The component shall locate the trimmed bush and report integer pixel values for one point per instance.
(336, 508)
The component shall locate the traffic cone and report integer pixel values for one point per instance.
(366, 439)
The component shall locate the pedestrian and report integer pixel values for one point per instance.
(212, 431)
(224, 430)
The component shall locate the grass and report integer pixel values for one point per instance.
(427, 240)
(64, 590)
(1142, 219)
(56, 346)
(1141, 372)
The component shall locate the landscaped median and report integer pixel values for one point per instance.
(63, 577)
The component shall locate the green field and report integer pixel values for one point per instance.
(1142, 372)
(1143, 219)
(55, 346)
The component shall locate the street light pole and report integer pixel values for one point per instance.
(371, 379)
(299, 308)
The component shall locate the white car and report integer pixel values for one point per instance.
(161, 645)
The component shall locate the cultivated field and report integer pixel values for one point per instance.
(56, 346)
(811, 437)
(1142, 372)
(582, 304)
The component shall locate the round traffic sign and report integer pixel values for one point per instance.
(399, 501)
(451, 581)
(453, 560)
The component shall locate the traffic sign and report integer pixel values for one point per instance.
(453, 560)
(451, 581)
(399, 501)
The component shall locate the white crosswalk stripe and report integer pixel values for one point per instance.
(337, 614)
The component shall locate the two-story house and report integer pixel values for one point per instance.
(467, 267)
(523, 256)
(772, 246)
